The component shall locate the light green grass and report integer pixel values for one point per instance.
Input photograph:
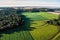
(42, 31)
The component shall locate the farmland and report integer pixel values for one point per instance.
(34, 28)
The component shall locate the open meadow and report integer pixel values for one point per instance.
(35, 28)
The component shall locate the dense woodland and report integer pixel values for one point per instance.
(9, 19)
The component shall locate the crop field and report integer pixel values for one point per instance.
(34, 28)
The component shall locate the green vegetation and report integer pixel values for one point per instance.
(57, 37)
(43, 31)
(36, 20)
(9, 20)
(55, 22)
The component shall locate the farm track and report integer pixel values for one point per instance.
(54, 35)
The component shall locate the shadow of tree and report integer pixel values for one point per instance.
(24, 27)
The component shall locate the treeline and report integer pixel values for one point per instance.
(37, 10)
(19, 10)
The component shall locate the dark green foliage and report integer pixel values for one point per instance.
(9, 19)
(54, 21)
(59, 17)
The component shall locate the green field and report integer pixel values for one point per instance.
(34, 28)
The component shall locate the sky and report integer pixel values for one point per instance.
(17, 3)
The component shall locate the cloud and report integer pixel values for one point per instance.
(47, 3)
(34, 0)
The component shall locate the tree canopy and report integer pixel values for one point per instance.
(9, 19)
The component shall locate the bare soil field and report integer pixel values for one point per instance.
(54, 13)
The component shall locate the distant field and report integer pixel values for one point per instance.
(40, 30)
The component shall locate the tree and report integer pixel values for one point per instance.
(59, 17)
(9, 19)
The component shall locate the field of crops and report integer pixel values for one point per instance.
(34, 28)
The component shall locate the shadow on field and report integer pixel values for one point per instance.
(24, 27)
